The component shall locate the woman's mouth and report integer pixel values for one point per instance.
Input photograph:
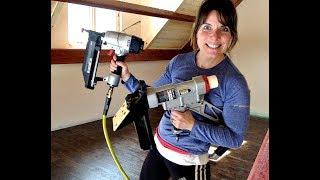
(213, 46)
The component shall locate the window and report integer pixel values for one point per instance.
(97, 19)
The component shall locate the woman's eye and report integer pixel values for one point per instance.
(207, 27)
(225, 29)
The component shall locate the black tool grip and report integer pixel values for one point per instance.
(221, 150)
(119, 68)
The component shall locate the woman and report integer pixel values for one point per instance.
(214, 35)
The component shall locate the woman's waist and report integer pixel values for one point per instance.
(183, 141)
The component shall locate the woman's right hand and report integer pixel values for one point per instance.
(125, 74)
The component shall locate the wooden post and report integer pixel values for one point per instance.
(260, 168)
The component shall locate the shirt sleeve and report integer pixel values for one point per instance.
(165, 78)
(132, 84)
(236, 112)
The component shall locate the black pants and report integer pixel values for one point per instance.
(156, 167)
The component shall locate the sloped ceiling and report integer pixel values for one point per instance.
(55, 11)
(174, 34)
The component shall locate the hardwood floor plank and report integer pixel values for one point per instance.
(81, 153)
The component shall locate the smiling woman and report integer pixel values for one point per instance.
(97, 19)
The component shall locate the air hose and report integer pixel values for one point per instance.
(104, 125)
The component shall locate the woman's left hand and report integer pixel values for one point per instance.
(182, 120)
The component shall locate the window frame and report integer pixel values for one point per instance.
(92, 25)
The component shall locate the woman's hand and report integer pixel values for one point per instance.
(125, 74)
(182, 120)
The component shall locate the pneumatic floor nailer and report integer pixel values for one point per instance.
(187, 95)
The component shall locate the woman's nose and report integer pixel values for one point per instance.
(214, 33)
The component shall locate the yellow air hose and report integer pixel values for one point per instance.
(104, 125)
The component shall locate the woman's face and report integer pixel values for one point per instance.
(213, 38)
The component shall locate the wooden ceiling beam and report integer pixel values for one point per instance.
(133, 8)
(236, 2)
(72, 56)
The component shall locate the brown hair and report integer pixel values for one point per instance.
(227, 17)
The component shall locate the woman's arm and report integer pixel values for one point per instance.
(236, 112)
(166, 77)
(132, 83)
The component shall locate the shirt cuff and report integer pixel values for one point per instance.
(131, 84)
(130, 77)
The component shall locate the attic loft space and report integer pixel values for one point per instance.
(164, 25)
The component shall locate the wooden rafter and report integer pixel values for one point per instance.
(236, 2)
(133, 8)
(68, 56)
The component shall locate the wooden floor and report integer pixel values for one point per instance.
(80, 152)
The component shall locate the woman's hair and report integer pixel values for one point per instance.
(227, 17)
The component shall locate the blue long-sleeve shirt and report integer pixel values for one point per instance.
(232, 96)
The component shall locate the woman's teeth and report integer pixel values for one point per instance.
(214, 46)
